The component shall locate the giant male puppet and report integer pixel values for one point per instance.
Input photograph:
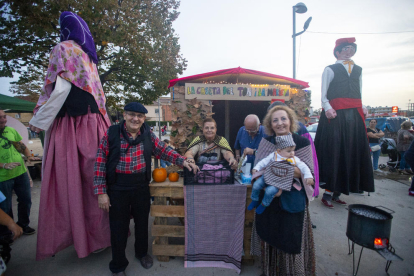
(341, 141)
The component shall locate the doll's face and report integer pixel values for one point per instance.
(346, 53)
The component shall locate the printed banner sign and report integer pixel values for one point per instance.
(237, 92)
(395, 109)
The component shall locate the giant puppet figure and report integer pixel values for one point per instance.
(71, 109)
(341, 141)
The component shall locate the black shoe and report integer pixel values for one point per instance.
(146, 261)
(28, 230)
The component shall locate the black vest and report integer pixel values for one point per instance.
(342, 85)
(114, 140)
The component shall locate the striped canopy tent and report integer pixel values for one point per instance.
(241, 75)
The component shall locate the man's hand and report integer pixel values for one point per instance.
(32, 158)
(191, 166)
(12, 165)
(15, 229)
(35, 129)
(310, 182)
(330, 113)
(103, 201)
(248, 151)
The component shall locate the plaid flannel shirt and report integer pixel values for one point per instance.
(132, 161)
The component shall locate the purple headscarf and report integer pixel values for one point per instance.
(73, 27)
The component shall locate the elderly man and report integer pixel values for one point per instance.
(341, 139)
(13, 176)
(122, 175)
(248, 138)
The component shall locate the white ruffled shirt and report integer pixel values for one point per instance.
(327, 77)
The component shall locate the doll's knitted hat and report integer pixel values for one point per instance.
(284, 141)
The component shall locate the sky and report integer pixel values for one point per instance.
(221, 34)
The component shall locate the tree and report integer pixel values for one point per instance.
(137, 47)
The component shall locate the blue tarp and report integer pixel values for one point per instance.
(392, 124)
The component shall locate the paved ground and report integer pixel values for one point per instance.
(330, 239)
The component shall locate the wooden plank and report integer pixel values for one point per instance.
(247, 262)
(167, 211)
(247, 245)
(249, 215)
(167, 183)
(167, 231)
(161, 221)
(247, 233)
(176, 192)
(168, 250)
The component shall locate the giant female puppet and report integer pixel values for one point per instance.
(341, 140)
(72, 110)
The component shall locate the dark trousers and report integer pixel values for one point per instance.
(21, 186)
(409, 158)
(123, 205)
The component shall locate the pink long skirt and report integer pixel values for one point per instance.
(68, 211)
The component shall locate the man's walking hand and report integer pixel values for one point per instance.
(103, 201)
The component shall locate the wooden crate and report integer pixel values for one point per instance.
(164, 194)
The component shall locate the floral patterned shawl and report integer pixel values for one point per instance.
(71, 63)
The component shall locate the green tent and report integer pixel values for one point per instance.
(15, 105)
(11, 104)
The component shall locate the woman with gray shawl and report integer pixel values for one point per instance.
(284, 238)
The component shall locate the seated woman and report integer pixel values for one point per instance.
(209, 146)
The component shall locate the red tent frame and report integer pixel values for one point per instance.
(241, 75)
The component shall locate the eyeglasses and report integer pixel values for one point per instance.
(138, 115)
(350, 48)
(251, 131)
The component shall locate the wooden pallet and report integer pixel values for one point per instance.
(165, 194)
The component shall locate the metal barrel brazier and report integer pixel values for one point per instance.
(370, 227)
(367, 223)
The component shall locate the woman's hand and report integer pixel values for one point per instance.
(278, 193)
(310, 182)
(233, 163)
(297, 173)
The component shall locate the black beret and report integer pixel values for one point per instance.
(136, 107)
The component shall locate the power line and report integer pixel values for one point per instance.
(362, 33)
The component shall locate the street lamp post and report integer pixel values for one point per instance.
(298, 8)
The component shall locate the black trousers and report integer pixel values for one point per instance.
(123, 205)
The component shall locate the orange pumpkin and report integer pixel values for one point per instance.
(173, 177)
(159, 175)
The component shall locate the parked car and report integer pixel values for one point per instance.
(313, 120)
(312, 130)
